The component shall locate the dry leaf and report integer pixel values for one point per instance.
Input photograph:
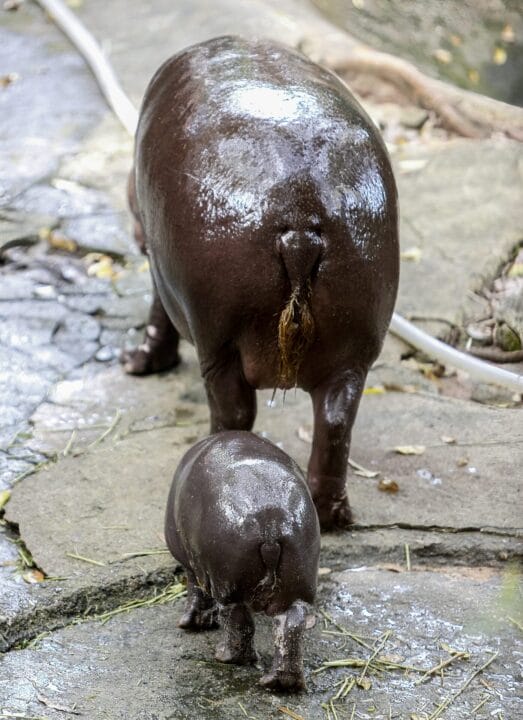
(499, 56)
(410, 449)
(60, 242)
(388, 485)
(324, 571)
(448, 439)
(4, 497)
(456, 40)
(413, 165)
(507, 34)
(305, 434)
(461, 462)
(33, 576)
(6, 80)
(361, 471)
(412, 254)
(443, 56)
(364, 683)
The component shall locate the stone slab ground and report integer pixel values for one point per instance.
(88, 452)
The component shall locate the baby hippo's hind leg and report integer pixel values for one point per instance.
(237, 645)
(286, 672)
(201, 611)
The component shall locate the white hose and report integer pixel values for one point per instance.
(128, 116)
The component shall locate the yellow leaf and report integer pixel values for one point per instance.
(374, 390)
(410, 449)
(499, 56)
(4, 497)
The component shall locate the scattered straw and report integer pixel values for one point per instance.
(480, 704)
(172, 592)
(85, 559)
(108, 431)
(446, 703)
(290, 713)
(443, 664)
(70, 443)
(516, 623)
(407, 556)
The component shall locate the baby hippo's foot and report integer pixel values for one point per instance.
(236, 654)
(201, 612)
(237, 645)
(283, 681)
(152, 356)
(286, 672)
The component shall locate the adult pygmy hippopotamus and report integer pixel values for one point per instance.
(241, 521)
(266, 200)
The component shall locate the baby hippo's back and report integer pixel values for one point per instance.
(240, 517)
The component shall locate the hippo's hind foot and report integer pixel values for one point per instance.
(201, 611)
(159, 350)
(286, 673)
(237, 644)
(334, 512)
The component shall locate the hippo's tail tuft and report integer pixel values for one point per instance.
(300, 252)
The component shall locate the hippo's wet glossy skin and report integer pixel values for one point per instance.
(241, 521)
(260, 184)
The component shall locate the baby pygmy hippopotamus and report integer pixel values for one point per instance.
(241, 521)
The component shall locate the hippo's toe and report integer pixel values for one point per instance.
(146, 360)
(195, 618)
(283, 681)
(333, 514)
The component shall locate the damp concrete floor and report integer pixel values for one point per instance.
(89, 598)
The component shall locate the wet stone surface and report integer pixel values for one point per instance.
(415, 619)
(82, 534)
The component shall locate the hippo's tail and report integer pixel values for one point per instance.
(270, 552)
(300, 252)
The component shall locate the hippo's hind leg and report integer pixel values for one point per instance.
(201, 611)
(237, 644)
(159, 350)
(286, 672)
(335, 403)
(232, 401)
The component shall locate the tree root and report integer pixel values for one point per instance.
(466, 113)
(496, 355)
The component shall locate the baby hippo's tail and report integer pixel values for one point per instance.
(270, 552)
(300, 252)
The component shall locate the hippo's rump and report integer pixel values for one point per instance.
(238, 142)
